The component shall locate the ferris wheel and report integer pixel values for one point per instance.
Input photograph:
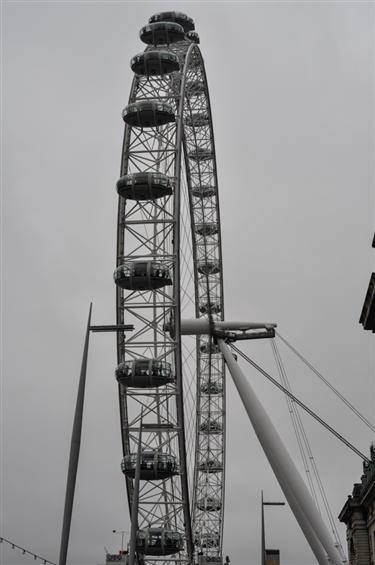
(170, 370)
(169, 264)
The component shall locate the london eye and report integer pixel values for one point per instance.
(169, 264)
(169, 296)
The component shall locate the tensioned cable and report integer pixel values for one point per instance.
(206, 256)
(322, 378)
(297, 429)
(302, 405)
(305, 449)
(27, 552)
(187, 302)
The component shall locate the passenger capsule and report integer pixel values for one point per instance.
(153, 63)
(211, 387)
(178, 17)
(142, 275)
(154, 465)
(144, 186)
(211, 466)
(144, 373)
(209, 347)
(194, 87)
(159, 541)
(209, 503)
(162, 33)
(203, 191)
(206, 229)
(193, 36)
(148, 113)
(198, 119)
(200, 154)
(208, 267)
(212, 307)
(211, 426)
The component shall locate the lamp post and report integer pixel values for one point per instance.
(122, 532)
(263, 531)
(75, 444)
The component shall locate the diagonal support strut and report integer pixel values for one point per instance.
(293, 486)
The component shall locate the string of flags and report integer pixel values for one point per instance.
(27, 552)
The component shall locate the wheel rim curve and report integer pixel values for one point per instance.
(207, 483)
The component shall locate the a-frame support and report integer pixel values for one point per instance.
(290, 480)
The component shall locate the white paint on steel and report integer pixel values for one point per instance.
(201, 326)
(290, 480)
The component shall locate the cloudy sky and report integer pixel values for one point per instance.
(291, 87)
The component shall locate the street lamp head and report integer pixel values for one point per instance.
(263, 555)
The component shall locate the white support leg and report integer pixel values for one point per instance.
(305, 525)
(290, 480)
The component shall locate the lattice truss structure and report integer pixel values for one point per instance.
(208, 495)
(174, 243)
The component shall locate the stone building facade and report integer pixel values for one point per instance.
(358, 514)
(367, 318)
(272, 556)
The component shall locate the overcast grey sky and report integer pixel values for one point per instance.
(291, 86)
